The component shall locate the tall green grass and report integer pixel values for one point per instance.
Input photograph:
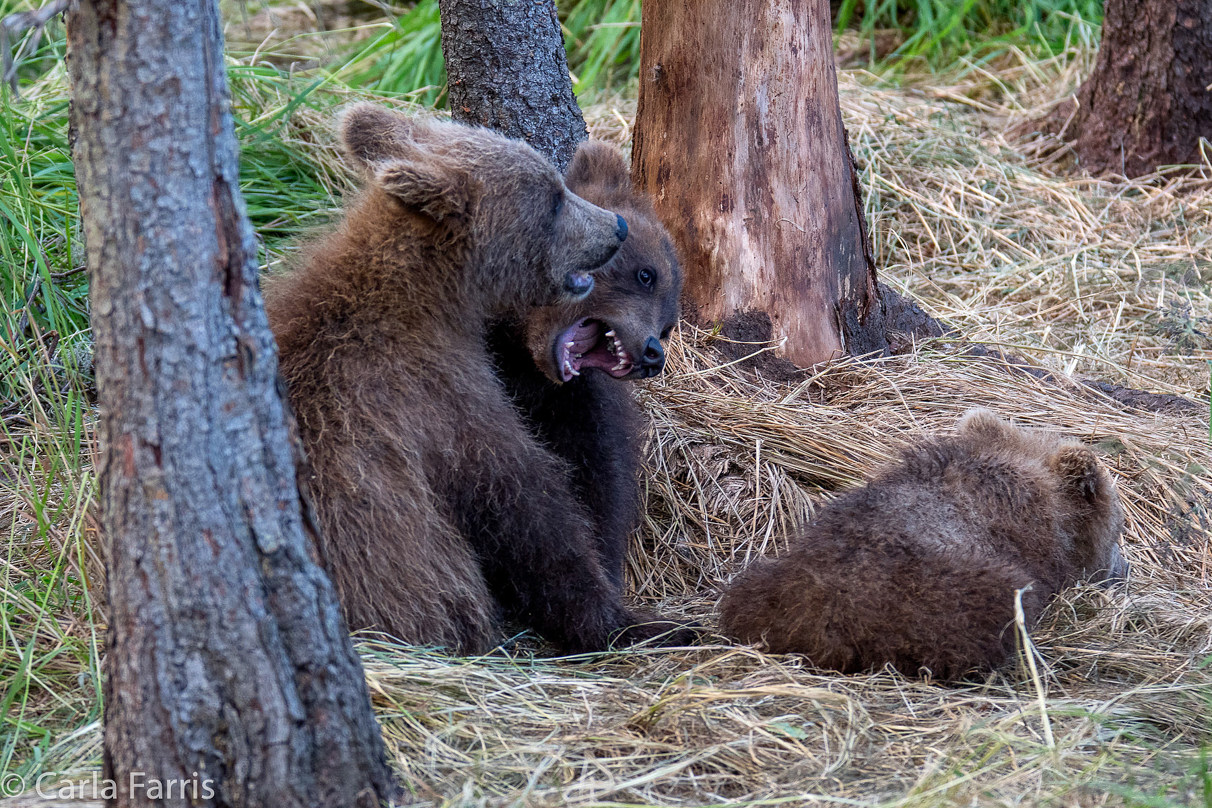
(49, 644)
(602, 38)
(406, 59)
(42, 285)
(941, 32)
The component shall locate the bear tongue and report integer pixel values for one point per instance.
(609, 355)
(583, 345)
(603, 359)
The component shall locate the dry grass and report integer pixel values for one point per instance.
(734, 462)
(1097, 277)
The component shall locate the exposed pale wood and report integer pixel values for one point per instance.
(739, 137)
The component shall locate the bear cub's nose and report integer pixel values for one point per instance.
(578, 283)
(654, 356)
(620, 231)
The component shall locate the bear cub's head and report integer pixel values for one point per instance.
(532, 241)
(1088, 506)
(618, 328)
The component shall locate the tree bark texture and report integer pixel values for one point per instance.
(739, 138)
(229, 668)
(507, 70)
(1149, 99)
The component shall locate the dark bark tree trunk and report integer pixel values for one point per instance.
(507, 70)
(1149, 99)
(229, 669)
(739, 138)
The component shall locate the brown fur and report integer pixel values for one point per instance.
(592, 420)
(437, 508)
(918, 568)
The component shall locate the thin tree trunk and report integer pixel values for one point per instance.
(229, 669)
(1149, 99)
(507, 70)
(739, 138)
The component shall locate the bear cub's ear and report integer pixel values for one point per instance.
(1082, 476)
(986, 425)
(598, 164)
(384, 145)
(370, 134)
(428, 186)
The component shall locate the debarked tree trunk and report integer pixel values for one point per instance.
(739, 138)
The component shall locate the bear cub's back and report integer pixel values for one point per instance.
(918, 569)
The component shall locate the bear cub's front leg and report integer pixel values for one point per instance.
(537, 546)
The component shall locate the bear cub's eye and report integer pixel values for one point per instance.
(646, 277)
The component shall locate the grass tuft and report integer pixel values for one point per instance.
(940, 33)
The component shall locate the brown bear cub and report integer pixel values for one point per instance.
(918, 568)
(563, 364)
(438, 510)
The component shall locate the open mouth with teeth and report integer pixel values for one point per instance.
(590, 343)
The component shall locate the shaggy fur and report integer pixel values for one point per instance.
(918, 568)
(437, 507)
(590, 419)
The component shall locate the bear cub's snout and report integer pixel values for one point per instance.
(592, 236)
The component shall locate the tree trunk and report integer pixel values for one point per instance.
(739, 138)
(1149, 99)
(229, 669)
(507, 70)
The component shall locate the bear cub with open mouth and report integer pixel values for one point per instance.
(563, 365)
(438, 508)
(918, 568)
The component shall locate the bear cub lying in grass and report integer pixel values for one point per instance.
(918, 568)
(438, 509)
(564, 365)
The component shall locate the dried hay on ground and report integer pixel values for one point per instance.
(735, 460)
(1100, 278)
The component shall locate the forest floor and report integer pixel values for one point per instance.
(1090, 278)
